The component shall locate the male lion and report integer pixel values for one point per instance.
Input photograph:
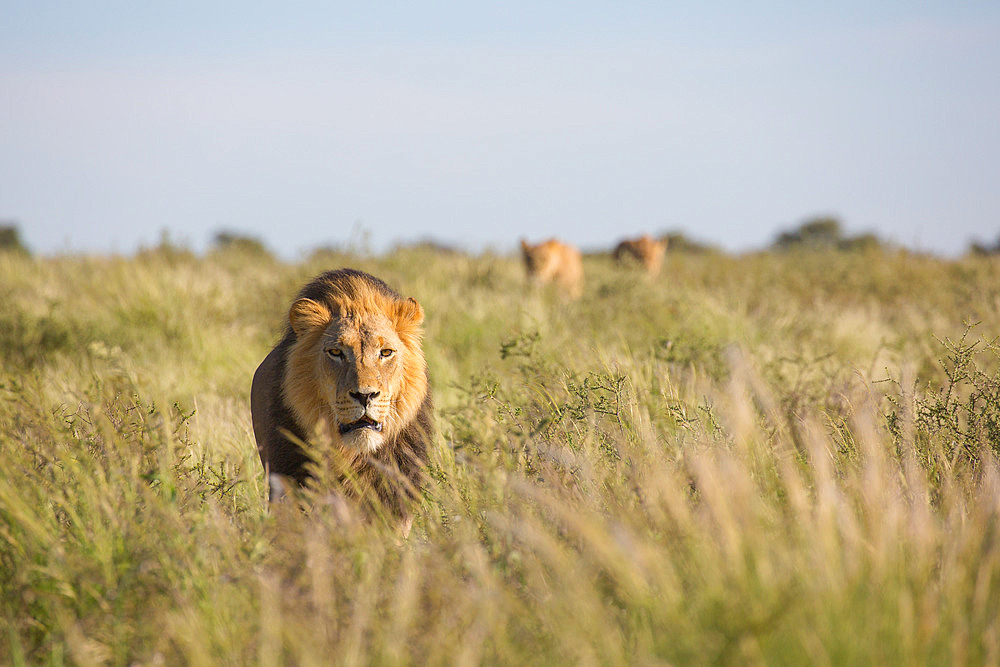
(645, 250)
(554, 261)
(349, 372)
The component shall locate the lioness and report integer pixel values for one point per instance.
(554, 261)
(645, 250)
(349, 371)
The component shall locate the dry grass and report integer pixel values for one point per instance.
(765, 459)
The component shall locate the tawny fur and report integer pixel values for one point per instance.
(645, 250)
(554, 261)
(302, 392)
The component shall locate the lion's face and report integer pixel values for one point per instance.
(361, 373)
(541, 261)
(361, 369)
(644, 249)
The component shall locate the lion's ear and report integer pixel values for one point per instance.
(408, 313)
(307, 314)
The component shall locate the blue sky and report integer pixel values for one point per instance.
(480, 123)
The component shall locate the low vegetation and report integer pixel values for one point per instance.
(780, 458)
(981, 248)
(238, 242)
(825, 233)
(10, 238)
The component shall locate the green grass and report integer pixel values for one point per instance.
(770, 459)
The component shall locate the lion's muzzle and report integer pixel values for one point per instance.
(364, 422)
(364, 397)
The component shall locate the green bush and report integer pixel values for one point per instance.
(825, 233)
(983, 249)
(230, 241)
(10, 239)
(678, 241)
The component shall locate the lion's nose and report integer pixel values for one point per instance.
(364, 398)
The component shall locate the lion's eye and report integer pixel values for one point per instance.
(386, 353)
(335, 353)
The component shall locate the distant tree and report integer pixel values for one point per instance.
(977, 248)
(817, 233)
(825, 233)
(678, 241)
(861, 242)
(10, 238)
(229, 240)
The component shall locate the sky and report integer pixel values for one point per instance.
(310, 124)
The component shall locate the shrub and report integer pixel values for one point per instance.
(981, 248)
(10, 239)
(825, 233)
(231, 241)
(678, 241)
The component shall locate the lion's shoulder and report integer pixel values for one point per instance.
(273, 420)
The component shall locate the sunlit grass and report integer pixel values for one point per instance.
(783, 458)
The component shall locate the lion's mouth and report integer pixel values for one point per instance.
(364, 422)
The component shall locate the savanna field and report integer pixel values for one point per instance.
(780, 458)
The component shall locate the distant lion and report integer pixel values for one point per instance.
(554, 261)
(350, 370)
(645, 250)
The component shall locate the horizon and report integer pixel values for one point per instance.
(357, 242)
